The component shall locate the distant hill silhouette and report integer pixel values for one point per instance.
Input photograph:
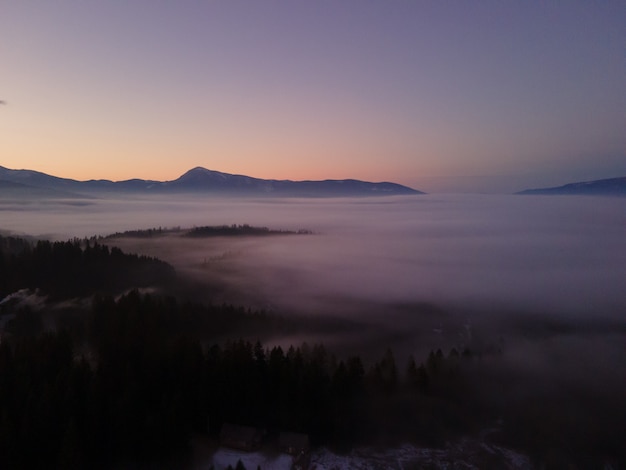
(604, 187)
(201, 180)
(12, 190)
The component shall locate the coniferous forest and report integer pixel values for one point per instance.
(126, 375)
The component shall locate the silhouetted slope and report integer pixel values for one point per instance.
(72, 269)
(605, 187)
(12, 190)
(201, 180)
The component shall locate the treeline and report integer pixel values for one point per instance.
(239, 230)
(138, 391)
(75, 268)
(147, 233)
(136, 388)
(207, 231)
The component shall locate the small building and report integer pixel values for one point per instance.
(240, 437)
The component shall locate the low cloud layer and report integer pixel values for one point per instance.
(432, 271)
(564, 255)
(538, 278)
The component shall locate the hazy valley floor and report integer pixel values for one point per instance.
(537, 280)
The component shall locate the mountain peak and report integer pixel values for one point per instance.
(200, 175)
(199, 169)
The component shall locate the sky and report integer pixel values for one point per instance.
(443, 96)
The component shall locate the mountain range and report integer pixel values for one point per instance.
(196, 180)
(604, 187)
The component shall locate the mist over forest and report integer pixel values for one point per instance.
(536, 280)
(556, 254)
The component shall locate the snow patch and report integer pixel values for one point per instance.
(465, 454)
(222, 458)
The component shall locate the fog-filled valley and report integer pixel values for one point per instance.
(530, 287)
(555, 255)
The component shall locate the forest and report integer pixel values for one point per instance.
(132, 375)
(75, 268)
(243, 230)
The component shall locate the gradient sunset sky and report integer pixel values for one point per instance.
(442, 96)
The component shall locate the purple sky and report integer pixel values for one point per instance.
(441, 96)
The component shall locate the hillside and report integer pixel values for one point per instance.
(200, 180)
(604, 187)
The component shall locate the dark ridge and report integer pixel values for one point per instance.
(207, 231)
(604, 187)
(24, 192)
(239, 230)
(202, 181)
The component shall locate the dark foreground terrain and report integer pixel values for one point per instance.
(103, 361)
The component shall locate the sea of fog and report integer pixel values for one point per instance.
(559, 254)
(541, 278)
